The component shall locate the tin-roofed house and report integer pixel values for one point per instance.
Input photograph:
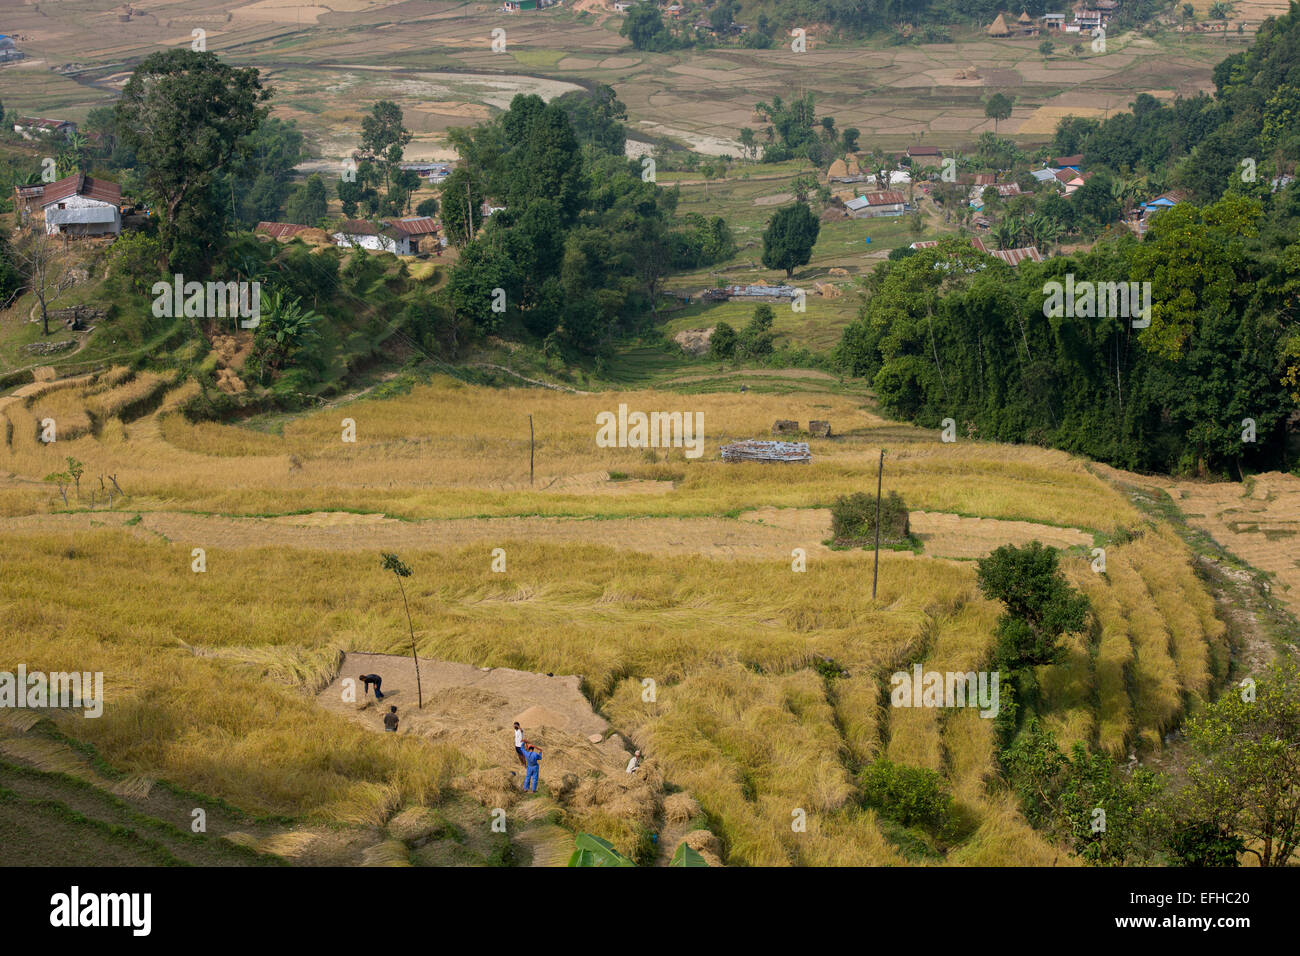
(76, 205)
(378, 236)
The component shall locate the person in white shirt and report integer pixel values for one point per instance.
(520, 743)
(635, 762)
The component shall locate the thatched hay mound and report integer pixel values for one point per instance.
(679, 808)
(705, 844)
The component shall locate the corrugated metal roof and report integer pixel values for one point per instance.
(418, 225)
(79, 184)
(781, 451)
(280, 230)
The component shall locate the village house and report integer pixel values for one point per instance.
(924, 155)
(875, 204)
(432, 172)
(423, 233)
(1053, 21)
(9, 50)
(379, 236)
(1088, 20)
(1012, 257)
(76, 205)
(32, 127)
(1004, 190)
(752, 293)
(1162, 202)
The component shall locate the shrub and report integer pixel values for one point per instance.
(722, 343)
(853, 519)
(913, 796)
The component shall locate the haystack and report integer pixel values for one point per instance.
(706, 845)
(838, 169)
(538, 716)
(679, 808)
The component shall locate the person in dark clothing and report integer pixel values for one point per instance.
(390, 720)
(367, 680)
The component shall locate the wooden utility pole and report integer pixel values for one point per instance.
(530, 450)
(875, 570)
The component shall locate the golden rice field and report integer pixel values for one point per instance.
(211, 677)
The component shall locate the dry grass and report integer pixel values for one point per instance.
(211, 677)
(451, 450)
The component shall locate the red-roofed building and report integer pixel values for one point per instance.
(924, 155)
(75, 205)
(280, 230)
(1012, 257)
(418, 225)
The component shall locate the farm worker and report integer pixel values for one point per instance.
(390, 720)
(634, 762)
(532, 757)
(519, 745)
(367, 680)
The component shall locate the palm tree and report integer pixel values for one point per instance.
(284, 326)
(393, 563)
(1005, 232)
(1042, 231)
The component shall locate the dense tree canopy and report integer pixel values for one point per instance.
(582, 243)
(186, 115)
(950, 333)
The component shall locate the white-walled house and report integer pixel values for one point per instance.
(379, 236)
(77, 205)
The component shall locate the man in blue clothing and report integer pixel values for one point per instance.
(532, 756)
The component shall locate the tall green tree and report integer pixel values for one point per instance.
(186, 115)
(308, 204)
(997, 108)
(1039, 604)
(789, 238)
(384, 138)
(644, 27)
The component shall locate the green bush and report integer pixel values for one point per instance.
(722, 343)
(913, 796)
(853, 519)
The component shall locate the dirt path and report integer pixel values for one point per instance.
(764, 533)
